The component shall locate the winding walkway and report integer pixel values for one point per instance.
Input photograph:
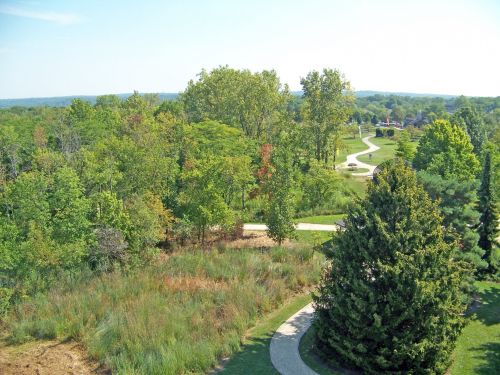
(284, 347)
(285, 342)
(353, 158)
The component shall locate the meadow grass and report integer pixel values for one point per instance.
(181, 315)
(477, 350)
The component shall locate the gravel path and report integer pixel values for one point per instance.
(353, 158)
(299, 226)
(284, 346)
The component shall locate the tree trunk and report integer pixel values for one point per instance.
(242, 199)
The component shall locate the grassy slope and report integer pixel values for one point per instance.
(478, 347)
(180, 316)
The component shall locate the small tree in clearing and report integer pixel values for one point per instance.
(390, 301)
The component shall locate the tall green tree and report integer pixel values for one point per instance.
(281, 205)
(473, 123)
(445, 149)
(390, 300)
(328, 104)
(488, 227)
(240, 98)
(457, 202)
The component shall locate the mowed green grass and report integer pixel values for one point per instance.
(180, 316)
(386, 152)
(478, 347)
(353, 145)
(254, 358)
(320, 219)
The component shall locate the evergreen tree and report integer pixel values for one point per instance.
(281, 205)
(488, 230)
(390, 301)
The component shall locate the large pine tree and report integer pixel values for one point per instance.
(390, 302)
(489, 218)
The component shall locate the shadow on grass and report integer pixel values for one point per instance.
(489, 311)
(255, 353)
(489, 353)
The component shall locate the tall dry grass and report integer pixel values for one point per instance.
(180, 316)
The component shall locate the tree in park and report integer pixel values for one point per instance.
(405, 149)
(281, 205)
(488, 227)
(328, 104)
(390, 300)
(240, 98)
(473, 124)
(445, 149)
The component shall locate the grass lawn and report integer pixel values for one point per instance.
(320, 219)
(354, 145)
(254, 357)
(478, 347)
(312, 237)
(387, 151)
(356, 185)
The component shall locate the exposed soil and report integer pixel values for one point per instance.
(47, 358)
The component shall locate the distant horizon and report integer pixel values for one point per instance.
(57, 48)
(375, 92)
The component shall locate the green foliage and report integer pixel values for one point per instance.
(202, 199)
(390, 301)
(281, 206)
(445, 149)
(473, 123)
(488, 227)
(240, 98)
(321, 188)
(328, 104)
(405, 149)
(457, 203)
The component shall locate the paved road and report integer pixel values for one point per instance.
(353, 158)
(284, 348)
(299, 226)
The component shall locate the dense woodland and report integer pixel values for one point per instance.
(105, 187)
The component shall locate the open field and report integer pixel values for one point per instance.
(353, 145)
(387, 151)
(180, 316)
(478, 347)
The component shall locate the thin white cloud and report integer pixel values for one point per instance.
(57, 17)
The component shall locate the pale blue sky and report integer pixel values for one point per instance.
(52, 48)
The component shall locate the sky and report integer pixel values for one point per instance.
(90, 47)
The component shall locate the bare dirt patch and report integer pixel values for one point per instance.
(47, 358)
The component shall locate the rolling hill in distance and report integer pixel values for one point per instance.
(63, 101)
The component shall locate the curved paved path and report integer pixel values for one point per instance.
(299, 226)
(285, 342)
(353, 158)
